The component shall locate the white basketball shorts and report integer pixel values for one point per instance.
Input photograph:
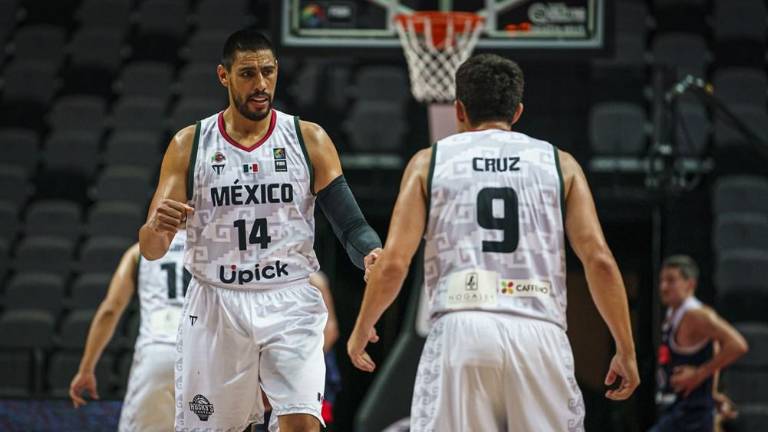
(489, 371)
(235, 343)
(149, 402)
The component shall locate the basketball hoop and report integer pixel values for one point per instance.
(435, 45)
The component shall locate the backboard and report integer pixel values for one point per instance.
(509, 24)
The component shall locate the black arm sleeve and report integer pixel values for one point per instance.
(346, 219)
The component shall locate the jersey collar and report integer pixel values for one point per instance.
(223, 131)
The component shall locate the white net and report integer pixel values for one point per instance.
(435, 45)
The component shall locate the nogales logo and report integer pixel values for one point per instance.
(202, 407)
(471, 282)
(218, 161)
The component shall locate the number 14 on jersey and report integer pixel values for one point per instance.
(259, 233)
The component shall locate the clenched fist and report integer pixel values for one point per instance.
(169, 216)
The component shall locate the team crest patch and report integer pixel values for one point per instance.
(281, 163)
(218, 161)
(202, 407)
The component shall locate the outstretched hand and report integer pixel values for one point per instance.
(82, 382)
(356, 344)
(623, 367)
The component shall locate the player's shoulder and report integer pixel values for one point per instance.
(566, 159)
(185, 136)
(180, 146)
(569, 166)
(419, 165)
(422, 158)
(700, 315)
(311, 131)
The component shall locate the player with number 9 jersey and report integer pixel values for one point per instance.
(490, 204)
(495, 237)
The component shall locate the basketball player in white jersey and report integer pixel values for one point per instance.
(247, 179)
(161, 285)
(494, 207)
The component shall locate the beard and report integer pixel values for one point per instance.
(241, 104)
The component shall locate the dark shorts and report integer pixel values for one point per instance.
(683, 418)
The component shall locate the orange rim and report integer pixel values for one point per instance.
(439, 21)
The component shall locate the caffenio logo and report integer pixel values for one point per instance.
(202, 407)
(525, 288)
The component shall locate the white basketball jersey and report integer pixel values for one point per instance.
(253, 226)
(495, 238)
(162, 285)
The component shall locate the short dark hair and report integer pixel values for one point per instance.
(684, 263)
(490, 87)
(244, 40)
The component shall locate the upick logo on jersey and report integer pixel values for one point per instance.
(244, 276)
(218, 161)
(525, 288)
